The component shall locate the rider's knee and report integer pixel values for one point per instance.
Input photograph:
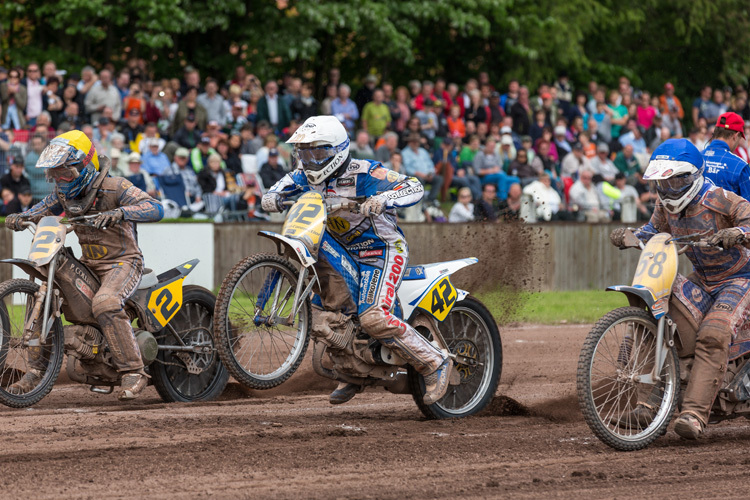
(377, 323)
(104, 303)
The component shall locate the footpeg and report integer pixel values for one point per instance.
(100, 390)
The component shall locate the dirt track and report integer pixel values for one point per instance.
(294, 445)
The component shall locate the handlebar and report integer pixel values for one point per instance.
(352, 206)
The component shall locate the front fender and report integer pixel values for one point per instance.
(28, 267)
(299, 250)
(642, 297)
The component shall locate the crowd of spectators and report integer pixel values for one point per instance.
(550, 153)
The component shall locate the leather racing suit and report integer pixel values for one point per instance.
(112, 254)
(715, 298)
(363, 259)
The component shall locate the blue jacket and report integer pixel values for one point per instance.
(726, 169)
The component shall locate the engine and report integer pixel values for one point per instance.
(334, 329)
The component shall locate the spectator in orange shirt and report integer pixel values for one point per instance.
(134, 100)
(456, 124)
(668, 102)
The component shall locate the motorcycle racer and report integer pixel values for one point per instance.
(110, 250)
(710, 304)
(363, 256)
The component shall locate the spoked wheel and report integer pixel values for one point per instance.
(27, 374)
(471, 334)
(261, 340)
(190, 376)
(620, 403)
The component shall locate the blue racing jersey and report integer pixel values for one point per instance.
(726, 169)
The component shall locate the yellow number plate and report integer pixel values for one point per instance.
(657, 267)
(439, 299)
(164, 302)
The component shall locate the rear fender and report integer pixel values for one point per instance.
(298, 250)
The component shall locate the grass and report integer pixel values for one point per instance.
(552, 307)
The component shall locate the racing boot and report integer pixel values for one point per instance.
(436, 383)
(639, 418)
(689, 426)
(344, 392)
(27, 383)
(131, 385)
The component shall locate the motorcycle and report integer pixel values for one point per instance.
(263, 318)
(631, 356)
(173, 329)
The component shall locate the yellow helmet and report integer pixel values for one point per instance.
(72, 149)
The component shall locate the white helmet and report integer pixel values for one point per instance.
(676, 167)
(322, 146)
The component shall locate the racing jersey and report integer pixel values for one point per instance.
(726, 169)
(117, 243)
(361, 236)
(712, 209)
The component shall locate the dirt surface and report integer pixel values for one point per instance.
(290, 443)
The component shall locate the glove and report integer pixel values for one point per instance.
(107, 219)
(14, 221)
(727, 238)
(271, 202)
(374, 205)
(617, 237)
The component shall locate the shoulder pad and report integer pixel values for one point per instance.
(719, 200)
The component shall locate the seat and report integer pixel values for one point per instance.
(172, 187)
(138, 181)
(148, 279)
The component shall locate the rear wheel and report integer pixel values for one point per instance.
(621, 405)
(27, 374)
(471, 334)
(181, 376)
(258, 346)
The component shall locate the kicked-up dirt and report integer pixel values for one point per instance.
(290, 443)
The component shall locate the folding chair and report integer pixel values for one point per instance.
(172, 187)
(138, 181)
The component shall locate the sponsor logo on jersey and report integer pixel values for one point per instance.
(354, 235)
(338, 225)
(399, 245)
(84, 288)
(392, 176)
(362, 244)
(364, 284)
(379, 173)
(348, 267)
(370, 253)
(708, 153)
(345, 182)
(330, 250)
(403, 192)
(394, 273)
(373, 286)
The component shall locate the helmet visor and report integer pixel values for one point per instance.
(674, 187)
(317, 157)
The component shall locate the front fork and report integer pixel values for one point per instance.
(31, 335)
(278, 304)
(665, 328)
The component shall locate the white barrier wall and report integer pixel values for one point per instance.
(164, 246)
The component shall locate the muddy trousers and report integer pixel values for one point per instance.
(369, 288)
(118, 282)
(717, 311)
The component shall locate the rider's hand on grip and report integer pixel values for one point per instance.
(727, 238)
(374, 205)
(617, 237)
(14, 222)
(109, 218)
(271, 202)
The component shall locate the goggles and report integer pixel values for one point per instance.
(319, 156)
(674, 187)
(62, 175)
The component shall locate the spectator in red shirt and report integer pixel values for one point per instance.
(645, 113)
(426, 93)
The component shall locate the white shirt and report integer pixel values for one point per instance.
(34, 102)
(273, 109)
(461, 213)
(221, 184)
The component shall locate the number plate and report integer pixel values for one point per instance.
(164, 302)
(439, 300)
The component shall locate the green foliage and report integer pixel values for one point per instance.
(687, 41)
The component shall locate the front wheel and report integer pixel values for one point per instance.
(181, 376)
(470, 333)
(620, 403)
(261, 339)
(27, 374)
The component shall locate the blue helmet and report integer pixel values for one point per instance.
(676, 166)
